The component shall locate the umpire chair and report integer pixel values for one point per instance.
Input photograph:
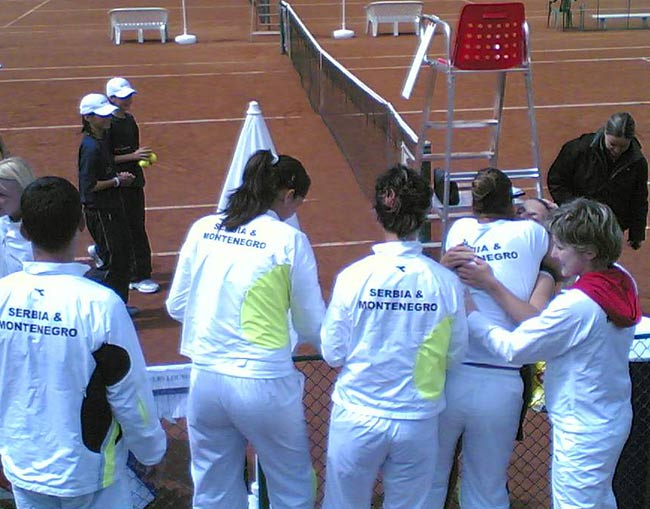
(491, 39)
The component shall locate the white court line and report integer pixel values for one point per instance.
(538, 107)
(296, 117)
(26, 14)
(314, 246)
(167, 254)
(159, 122)
(535, 62)
(202, 206)
(257, 73)
(138, 65)
(175, 75)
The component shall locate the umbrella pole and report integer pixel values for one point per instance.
(343, 33)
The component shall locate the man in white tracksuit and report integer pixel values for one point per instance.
(74, 393)
(232, 290)
(584, 335)
(394, 325)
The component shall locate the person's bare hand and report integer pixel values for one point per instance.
(457, 256)
(142, 153)
(477, 274)
(125, 178)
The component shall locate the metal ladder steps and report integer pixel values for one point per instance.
(438, 156)
(463, 124)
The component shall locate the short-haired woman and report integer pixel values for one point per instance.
(584, 335)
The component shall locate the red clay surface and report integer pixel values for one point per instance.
(192, 101)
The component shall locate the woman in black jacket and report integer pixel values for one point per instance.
(606, 166)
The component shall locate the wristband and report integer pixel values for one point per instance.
(117, 181)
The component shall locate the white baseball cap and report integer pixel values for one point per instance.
(96, 104)
(120, 88)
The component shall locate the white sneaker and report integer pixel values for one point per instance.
(92, 252)
(145, 286)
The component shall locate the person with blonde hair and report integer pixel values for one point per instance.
(585, 335)
(15, 176)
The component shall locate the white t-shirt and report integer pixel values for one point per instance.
(514, 249)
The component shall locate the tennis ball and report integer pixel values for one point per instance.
(153, 158)
(143, 163)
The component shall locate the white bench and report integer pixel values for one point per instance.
(394, 12)
(138, 19)
(603, 17)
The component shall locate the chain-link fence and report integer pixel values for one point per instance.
(529, 475)
(529, 471)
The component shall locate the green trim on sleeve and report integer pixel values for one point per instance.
(108, 476)
(431, 363)
(142, 410)
(264, 310)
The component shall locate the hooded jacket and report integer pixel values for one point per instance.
(582, 169)
(615, 292)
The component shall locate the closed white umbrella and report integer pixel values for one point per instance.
(254, 136)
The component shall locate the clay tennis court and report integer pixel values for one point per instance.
(192, 101)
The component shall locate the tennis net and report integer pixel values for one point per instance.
(368, 130)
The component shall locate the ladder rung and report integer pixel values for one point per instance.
(453, 211)
(459, 155)
(463, 124)
(522, 173)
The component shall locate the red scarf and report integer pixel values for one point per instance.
(615, 292)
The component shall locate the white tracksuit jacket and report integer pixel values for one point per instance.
(587, 380)
(232, 291)
(395, 323)
(587, 386)
(74, 392)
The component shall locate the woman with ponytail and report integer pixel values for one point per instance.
(239, 274)
(394, 325)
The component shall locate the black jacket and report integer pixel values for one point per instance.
(582, 169)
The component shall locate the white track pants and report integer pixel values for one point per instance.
(583, 466)
(225, 412)
(483, 405)
(117, 495)
(360, 445)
